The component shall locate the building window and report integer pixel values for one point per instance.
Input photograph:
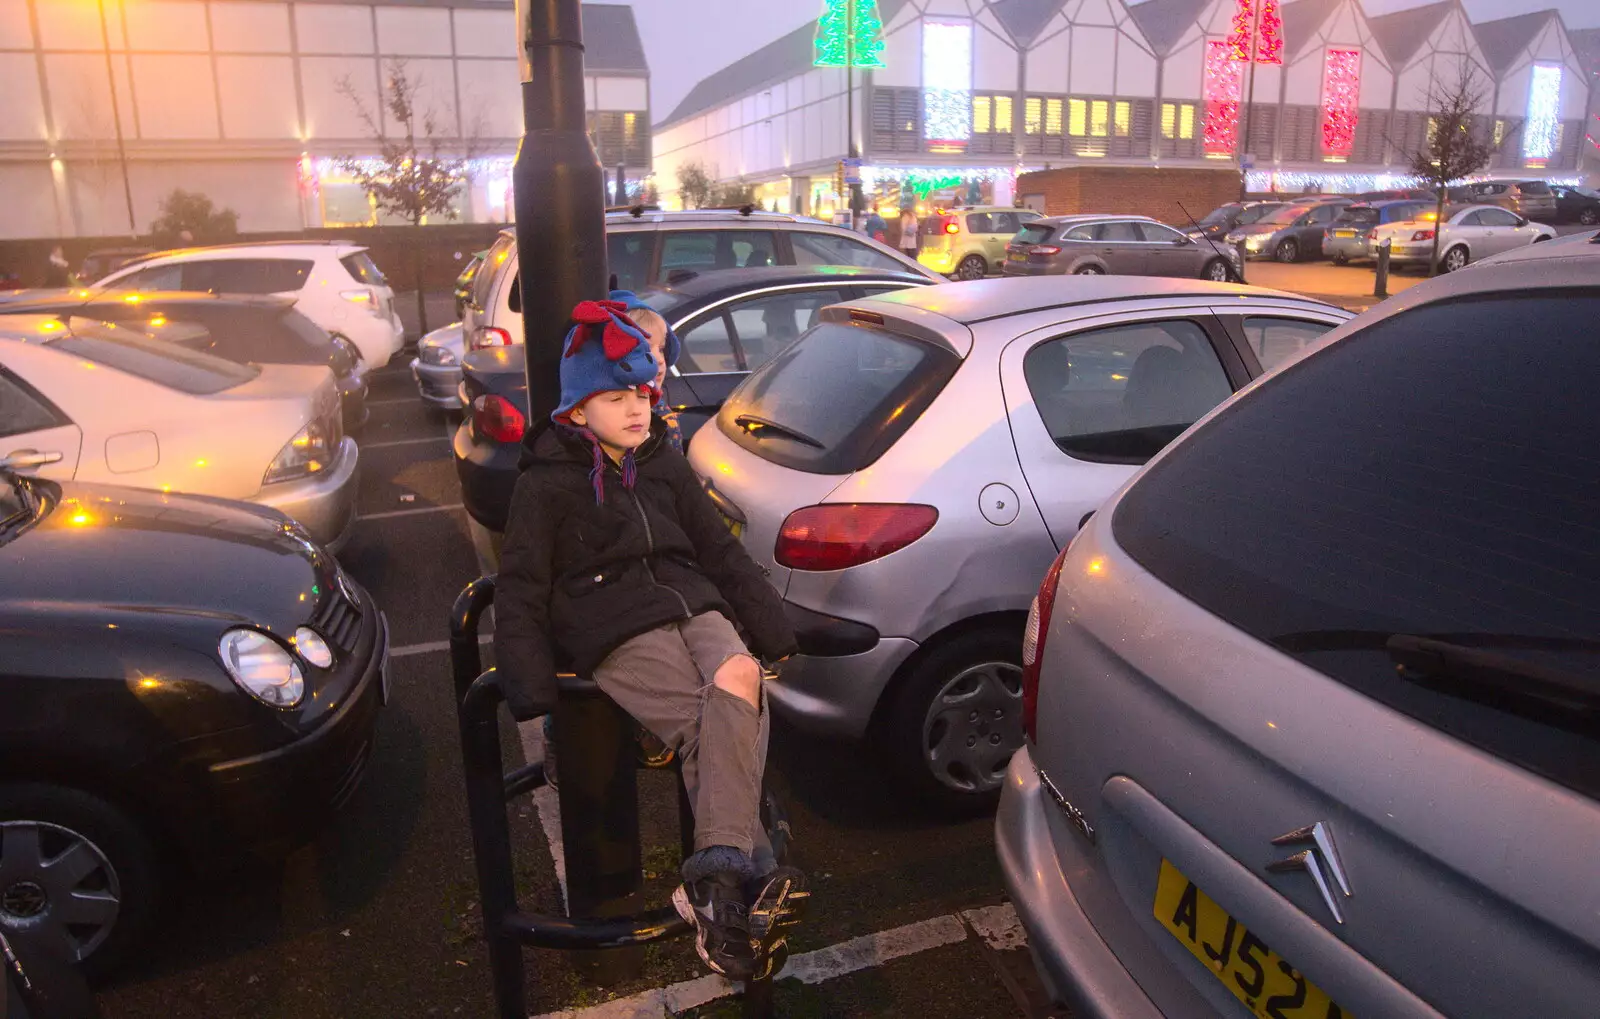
(1052, 116)
(1002, 114)
(1033, 115)
(1124, 118)
(982, 119)
(1099, 118)
(1078, 117)
(1541, 132)
(1177, 120)
(1499, 133)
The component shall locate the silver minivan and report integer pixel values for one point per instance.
(1313, 705)
(902, 469)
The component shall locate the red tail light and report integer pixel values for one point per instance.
(1422, 235)
(836, 537)
(1033, 643)
(1044, 249)
(952, 227)
(498, 418)
(491, 336)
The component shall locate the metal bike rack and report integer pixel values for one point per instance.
(599, 818)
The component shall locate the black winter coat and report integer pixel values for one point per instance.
(584, 578)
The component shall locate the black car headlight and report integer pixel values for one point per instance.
(264, 668)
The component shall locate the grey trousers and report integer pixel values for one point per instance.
(663, 678)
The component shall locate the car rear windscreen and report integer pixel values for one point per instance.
(363, 269)
(1357, 217)
(837, 398)
(166, 364)
(1035, 233)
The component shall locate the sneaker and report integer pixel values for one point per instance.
(715, 907)
(777, 902)
(550, 752)
(772, 960)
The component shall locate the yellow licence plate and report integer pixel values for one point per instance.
(734, 526)
(1254, 973)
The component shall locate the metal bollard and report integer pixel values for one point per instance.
(1380, 285)
(1239, 249)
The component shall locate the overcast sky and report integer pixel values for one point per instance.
(685, 40)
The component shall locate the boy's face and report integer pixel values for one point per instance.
(658, 347)
(619, 418)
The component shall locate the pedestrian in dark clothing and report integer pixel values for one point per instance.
(56, 271)
(616, 558)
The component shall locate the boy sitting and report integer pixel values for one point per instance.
(614, 553)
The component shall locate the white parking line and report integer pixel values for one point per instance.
(407, 650)
(547, 801)
(390, 514)
(397, 442)
(992, 923)
(394, 402)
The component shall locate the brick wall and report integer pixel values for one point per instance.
(1134, 191)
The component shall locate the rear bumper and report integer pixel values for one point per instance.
(325, 505)
(835, 694)
(1010, 268)
(488, 474)
(437, 384)
(1077, 967)
(1349, 247)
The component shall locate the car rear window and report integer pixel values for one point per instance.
(837, 398)
(363, 269)
(1534, 187)
(1423, 478)
(1035, 233)
(247, 275)
(934, 225)
(493, 262)
(1357, 217)
(166, 364)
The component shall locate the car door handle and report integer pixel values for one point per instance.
(21, 459)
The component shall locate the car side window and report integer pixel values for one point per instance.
(762, 326)
(628, 254)
(1117, 232)
(831, 249)
(1005, 222)
(1119, 394)
(1474, 218)
(157, 277)
(22, 410)
(703, 250)
(1324, 213)
(247, 275)
(1081, 233)
(1159, 232)
(1276, 340)
(707, 347)
(980, 223)
(1497, 217)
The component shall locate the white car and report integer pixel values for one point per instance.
(88, 401)
(1470, 232)
(334, 284)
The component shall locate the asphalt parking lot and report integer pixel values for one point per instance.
(379, 916)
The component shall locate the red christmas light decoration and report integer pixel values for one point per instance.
(1224, 85)
(1268, 48)
(1341, 96)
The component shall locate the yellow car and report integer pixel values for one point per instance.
(969, 243)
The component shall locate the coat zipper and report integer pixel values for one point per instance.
(650, 547)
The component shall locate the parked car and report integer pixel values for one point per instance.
(645, 248)
(334, 284)
(1576, 205)
(1579, 245)
(437, 367)
(729, 321)
(1468, 233)
(1113, 245)
(1291, 233)
(969, 243)
(1530, 199)
(463, 288)
(1224, 219)
(246, 330)
(1349, 237)
(97, 264)
(1311, 702)
(186, 683)
(97, 403)
(904, 469)
(1397, 194)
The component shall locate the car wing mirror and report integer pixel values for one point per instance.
(1182, 242)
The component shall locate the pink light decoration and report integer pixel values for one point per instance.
(1268, 48)
(1341, 95)
(1239, 38)
(1224, 85)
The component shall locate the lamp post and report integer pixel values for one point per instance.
(116, 118)
(1250, 95)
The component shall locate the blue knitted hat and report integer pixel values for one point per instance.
(603, 352)
(630, 300)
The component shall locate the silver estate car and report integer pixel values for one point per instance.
(905, 468)
(1115, 246)
(1314, 703)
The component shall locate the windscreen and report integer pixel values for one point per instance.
(363, 269)
(166, 364)
(1035, 233)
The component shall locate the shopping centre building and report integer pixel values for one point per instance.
(966, 94)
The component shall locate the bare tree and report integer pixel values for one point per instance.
(1456, 145)
(695, 185)
(412, 178)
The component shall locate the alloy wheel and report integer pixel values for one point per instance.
(1218, 272)
(1289, 250)
(1091, 270)
(1589, 217)
(973, 267)
(1454, 259)
(973, 726)
(59, 883)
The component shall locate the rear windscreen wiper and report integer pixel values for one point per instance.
(1421, 659)
(755, 425)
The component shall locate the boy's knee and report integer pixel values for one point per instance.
(740, 676)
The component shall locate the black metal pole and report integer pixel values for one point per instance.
(1380, 282)
(558, 190)
(1250, 100)
(116, 119)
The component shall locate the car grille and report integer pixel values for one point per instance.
(338, 620)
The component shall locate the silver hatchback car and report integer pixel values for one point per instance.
(904, 467)
(1314, 704)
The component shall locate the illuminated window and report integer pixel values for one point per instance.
(629, 124)
(1433, 130)
(1099, 118)
(1542, 133)
(1499, 132)
(1033, 115)
(1002, 114)
(1052, 116)
(1078, 116)
(981, 123)
(1185, 121)
(1124, 119)
(1169, 120)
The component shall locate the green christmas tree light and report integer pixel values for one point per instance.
(833, 34)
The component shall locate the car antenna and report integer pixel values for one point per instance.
(1192, 222)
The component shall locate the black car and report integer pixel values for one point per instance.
(245, 329)
(1222, 220)
(1576, 205)
(730, 322)
(185, 683)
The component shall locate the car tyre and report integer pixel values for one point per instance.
(116, 875)
(1217, 270)
(1341, 259)
(1454, 259)
(973, 267)
(1589, 217)
(956, 719)
(1089, 270)
(1288, 250)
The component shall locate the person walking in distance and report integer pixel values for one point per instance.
(908, 231)
(615, 556)
(56, 271)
